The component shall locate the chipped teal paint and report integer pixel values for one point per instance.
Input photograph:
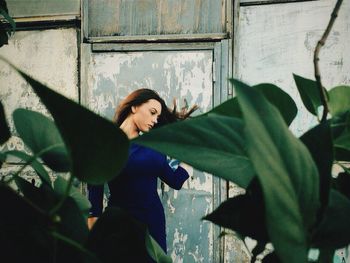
(180, 75)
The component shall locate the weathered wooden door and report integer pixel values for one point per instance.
(186, 71)
(181, 49)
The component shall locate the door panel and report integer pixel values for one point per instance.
(180, 74)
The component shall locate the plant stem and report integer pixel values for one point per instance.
(66, 194)
(320, 43)
(34, 157)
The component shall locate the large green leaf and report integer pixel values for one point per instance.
(35, 164)
(343, 141)
(68, 222)
(284, 103)
(342, 183)
(40, 134)
(309, 93)
(280, 99)
(69, 219)
(155, 251)
(243, 214)
(339, 100)
(229, 108)
(340, 128)
(60, 186)
(286, 172)
(5, 133)
(334, 231)
(117, 237)
(98, 149)
(211, 143)
(23, 235)
(318, 140)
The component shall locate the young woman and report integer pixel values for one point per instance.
(135, 188)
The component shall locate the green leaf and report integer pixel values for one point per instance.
(98, 149)
(274, 94)
(229, 108)
(334, 231)
(243, 214)
(341, 127)
(318, 140)
(309, 93)
(35, 164)
(271, 258)
(60, 186)
(286, 172)
(339, 100)
(9, 19)
(40, 134)
(343, 141)
(155, 251)
(5, 133)
(211, 143)
(3, 36)
(22, 229)
(117, 237)
(342, 183)
(280, 99)
(26, 225)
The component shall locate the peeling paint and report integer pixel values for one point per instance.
(33, 52)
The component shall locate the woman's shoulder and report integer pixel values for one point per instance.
(144, 150)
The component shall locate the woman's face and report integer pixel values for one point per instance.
(145, 116)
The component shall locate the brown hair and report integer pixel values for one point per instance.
(141, 96)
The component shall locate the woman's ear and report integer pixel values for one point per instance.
(133, 109)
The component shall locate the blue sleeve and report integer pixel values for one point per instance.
(95, 195)
(173, 178)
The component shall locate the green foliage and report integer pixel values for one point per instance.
(117, 237)
(276, 96)
(200, 141)
(309, 93)
(40, 134)
(293, 194)
(55, 212)
(4, 129)
(244, 213)
(4, 32)
(291, 199)
(339, 100)
(95, 145)
(285, 169)
(332, 231)
(321, 151)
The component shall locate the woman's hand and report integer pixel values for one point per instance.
(91, 221)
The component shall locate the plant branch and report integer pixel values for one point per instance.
(319, 45)
(66, 194)
(32, 159)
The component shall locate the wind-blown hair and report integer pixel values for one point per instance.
(140, 96)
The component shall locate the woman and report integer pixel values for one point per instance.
(135, 189)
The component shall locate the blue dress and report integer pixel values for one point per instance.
(135, 189)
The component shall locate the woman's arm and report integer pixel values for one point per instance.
(173, 177)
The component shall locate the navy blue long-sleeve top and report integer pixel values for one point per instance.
(135, 189)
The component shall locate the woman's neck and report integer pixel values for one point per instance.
(129, 128)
